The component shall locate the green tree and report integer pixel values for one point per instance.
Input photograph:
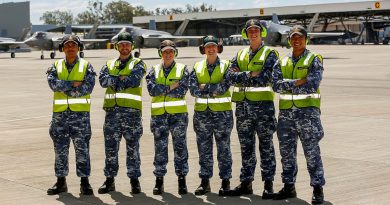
(57, 17)
(117, 12)
(94, 13)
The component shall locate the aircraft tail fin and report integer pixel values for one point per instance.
(275, 18)
(68, 29)
(152, 25)
(182, 28)
(24, 33)
(312, 22)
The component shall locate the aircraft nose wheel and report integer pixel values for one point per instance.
(136, 54)
(12, 55)
(42, 57)
(81, 54)
(52, 55)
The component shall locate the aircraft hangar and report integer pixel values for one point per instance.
(12, 25)
(369, 19)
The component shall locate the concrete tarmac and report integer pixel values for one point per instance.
(355, 150)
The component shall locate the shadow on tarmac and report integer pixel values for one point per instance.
(186, 199)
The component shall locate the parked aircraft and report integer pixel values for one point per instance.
(147, 38)
(49, 41)
(277, 33)
(9, 45)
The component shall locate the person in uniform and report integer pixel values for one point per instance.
(250, 72)
(167, 83)
(213, 115)
(297, 78)
(122, 77)
(72, 80)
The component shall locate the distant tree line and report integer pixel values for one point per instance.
(115, 12)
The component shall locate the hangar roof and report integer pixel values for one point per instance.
(332, 10)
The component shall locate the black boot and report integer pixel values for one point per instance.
(85, 187)
(109, 185)
(244, 188)
(225, 188)
(288, 191)
(203, 188)
(58, 187)
(159, 187)
(135, 186)
(182, 185)
(268, 192)
(318, 195)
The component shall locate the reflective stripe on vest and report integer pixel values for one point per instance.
(61, 101)
(217, 103)
(169, 104)
(299, 97)
(299, 71)
(129, 97)
(165, 104)
(255, 64)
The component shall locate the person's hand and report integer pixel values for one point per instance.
(201, 86)
(235, 69)
(300, 82)
(174, 85)
(254, 73)
(77, 83)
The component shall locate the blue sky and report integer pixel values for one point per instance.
(38, 7)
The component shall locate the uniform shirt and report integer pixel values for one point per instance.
(66, 86)
(314, 77)
(244, 78)
(156, 89)
(132, 81)
(210, 90)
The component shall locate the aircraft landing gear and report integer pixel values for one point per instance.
(52, 55)
(81, 54)
(12, 55)
(42, 56)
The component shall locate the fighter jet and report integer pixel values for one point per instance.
(10, 45)
(148, 38)
(49, 41)
(277, 33)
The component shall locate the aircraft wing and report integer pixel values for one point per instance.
(153, 41)
(151, 36)
(57, 41)
(313, 35)
(11, 44)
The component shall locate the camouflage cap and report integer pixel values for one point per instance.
(125, 37)
(210, 39)
(167, 44)
(253, 23)
(70, 37)
(297, 29)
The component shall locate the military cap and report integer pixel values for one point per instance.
(297, 29)
(207, 40)
(70, 37)
(125, 37)
(167, 44)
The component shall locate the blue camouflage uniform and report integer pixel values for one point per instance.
(255, 117)
(302, 122)
(208, 123)
(122, 121)
(176, 124)
(69, 124)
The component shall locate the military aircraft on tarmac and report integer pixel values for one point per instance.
(151, 38)
(49, 41)
(10, 45)
(277, 33)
